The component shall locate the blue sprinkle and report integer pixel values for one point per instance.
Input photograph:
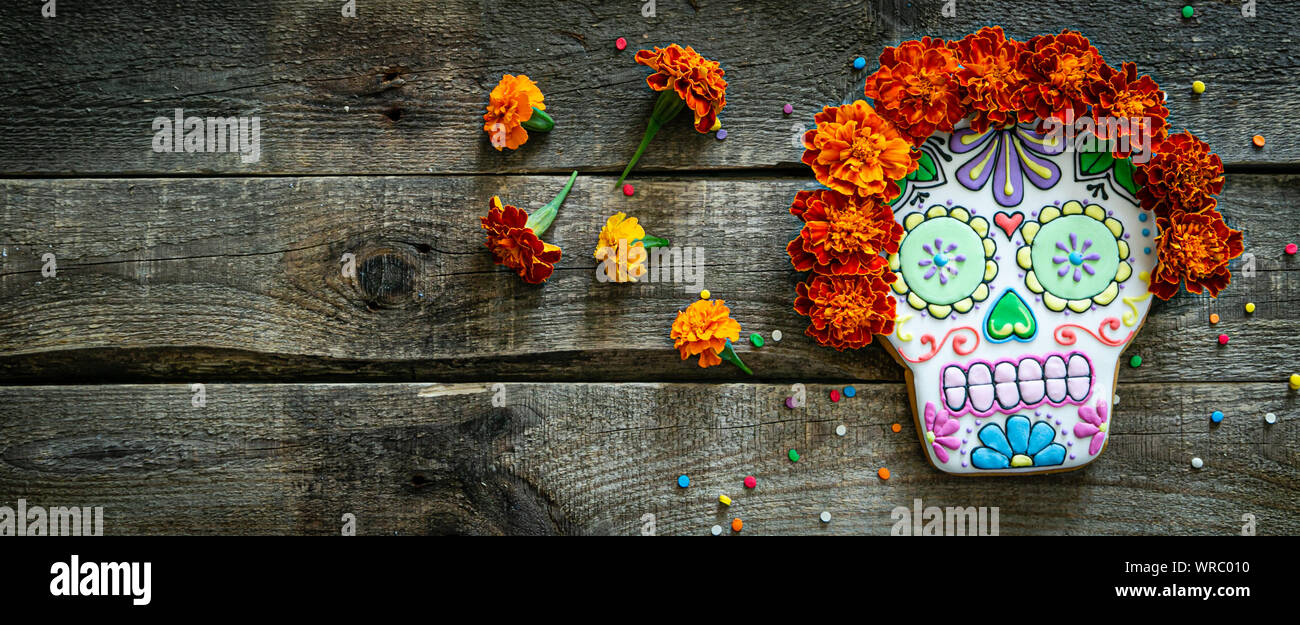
(1146, 232)
(683, 481)
(1217, 416)
(849, 391)
(1142, 216)
(859, 63)
(1146, 250)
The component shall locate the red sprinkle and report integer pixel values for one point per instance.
(620, 43)
(750, 481)
(835, 395)
(1223, 339)
(627, 189)
(1291, 248)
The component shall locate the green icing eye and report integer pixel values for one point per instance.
(1075, 257)
(942, 260)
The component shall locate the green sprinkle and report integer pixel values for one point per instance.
(794, 456)
(1188, 12)
(755, 339)
(1135, 361)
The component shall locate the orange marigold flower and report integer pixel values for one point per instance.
(842, 234)
(704, 328)
(1183, 175)
(511, 104)
(1059, 71)
(516, 246)
(1120, 94)
(916, 87)
(845, 311)
(1194, 248)
(857, 152)
(990, 77)
(697, 81)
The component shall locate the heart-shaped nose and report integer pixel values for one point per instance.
(1010, 318)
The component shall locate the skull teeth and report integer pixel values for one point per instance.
(1008, 385)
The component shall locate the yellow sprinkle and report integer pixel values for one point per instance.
(1250, 307)
(1198, 87)
(704, 294)
(717, 123)
(1295, 381)
(724, 500)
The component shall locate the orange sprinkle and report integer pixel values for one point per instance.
(1214, 317)
(896, 428)
(737, 524)
(883, 473)
(1258, 140)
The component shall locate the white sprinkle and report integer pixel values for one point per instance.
(1197, 463)
(1270, 418)
(841, 430)
(776, 335)
(826, 517)
(716, 531)
(1114, 400)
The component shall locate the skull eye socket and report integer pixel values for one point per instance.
(944, 262)
(1074, 256)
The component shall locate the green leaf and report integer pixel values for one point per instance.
(1095, 162)
(1124, 175)
(926, 170)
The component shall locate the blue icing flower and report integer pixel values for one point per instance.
(1018, 446)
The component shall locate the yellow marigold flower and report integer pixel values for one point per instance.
(622, 248)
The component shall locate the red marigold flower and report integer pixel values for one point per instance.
(516, 246)
(1183, 175)
(1194, 248)
(855, 151)
(842, 234)
(1059, 72)
(845, 311)
(697, 81)
(990, 77)
(916, 87)
(1121, 95)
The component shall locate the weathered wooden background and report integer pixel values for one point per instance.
(373, 396)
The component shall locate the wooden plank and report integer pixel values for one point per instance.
(240, 279)
(401, 88)
(595, 458)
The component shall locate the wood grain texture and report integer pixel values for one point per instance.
(595, 458)
(401, 88)
(240, 279)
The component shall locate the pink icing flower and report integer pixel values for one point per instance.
(938, 428)
(1094, 425)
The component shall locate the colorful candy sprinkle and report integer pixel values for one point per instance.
(840, 430)
(1223, 339)
(1214, 317)
(1295, 381)
(724, 500)
(793, 455)
(776, 335)
(1188, 12)
(825, 517)
(835, 395)
(683, 481)
(1250, 307)
(628, 190)
(789, 403)
(1270, 418)
(849, 391)
(1197, 463)
(737, 524)
(896, 428)
(722, 134)
(1217, 416)
(859, 63)
(751, 481)
(1198, 86)
(883, 473)
(755, 339)
(716, 531)
(1135, 361)
(704, 294)
(620, 43)
(1258, 140)
(787, 109)
(1291, 249)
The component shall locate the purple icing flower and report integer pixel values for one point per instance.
(1075, 258)
(1007, 156)
(939, 260)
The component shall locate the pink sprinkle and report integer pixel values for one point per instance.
(750, 481)
(620, 43)
(1291, 248)
(1223, 339)
(789, 403)
(628, 190)
(835, 395)
(787, 109)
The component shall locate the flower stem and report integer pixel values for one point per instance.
(666, 108)
(540, 121)
(648, 241)
(728, 354)
(541, 218)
